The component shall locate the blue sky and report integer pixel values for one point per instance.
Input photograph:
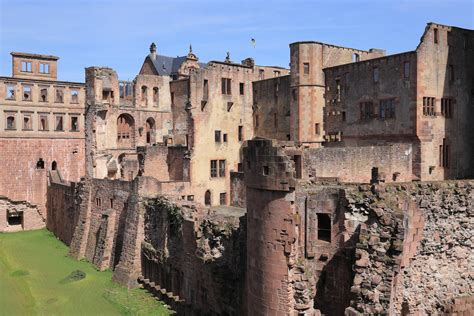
(118, 33)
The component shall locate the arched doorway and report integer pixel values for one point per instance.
(150, 131)
(54, 165)
(125, 131)
(207, 197)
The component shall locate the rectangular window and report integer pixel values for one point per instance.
(43, 95)
(241, 133)
(172, 98)
(226, 86)
(376, 74)
(205, 89)
(27, 124)
(317, 130)
(447, 107)
(241, 88)
(74, 123)
(387, 109)
(343, 116)
(256, 120)
(59, 123)
(217, 136)
(294, 94)
(10, 95)
(366, 110)
(444, 154)
(10, 121)
(324, 227)
(224, 138)
(338, 90)
(43, 122)
(451, 73)
(221, 168)
(261, 74)
(406, 70)
(435, 36)
(26, 66)
(429, 106)
(213, 168)
(306, 68)
(44, 68)
(26, 93)
(59, 97)
(276, 73)
(223, 198)
(74, 96)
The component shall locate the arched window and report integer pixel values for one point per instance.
(150, 131)
(54, 165)
(156, 96)
(40, 164)
(207, 198)
(125, 130)
(144, 95)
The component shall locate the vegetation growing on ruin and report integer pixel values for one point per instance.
(174, 213)
(38, 278)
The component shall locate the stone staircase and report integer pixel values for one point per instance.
(160, 293)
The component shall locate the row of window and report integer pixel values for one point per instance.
(386, 109)
(429, 105)
(26, 66)
(27, 94)
(222, 137)
(43, 122)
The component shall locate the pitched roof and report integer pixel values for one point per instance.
(166, 66)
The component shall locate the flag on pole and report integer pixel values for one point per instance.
(253, 41)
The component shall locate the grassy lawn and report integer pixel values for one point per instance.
(37, 278)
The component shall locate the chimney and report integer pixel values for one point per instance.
(153, 51)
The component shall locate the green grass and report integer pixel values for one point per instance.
(38, 278)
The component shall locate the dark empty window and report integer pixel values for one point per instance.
(366, 110)
(11, 122)
(43, 123)
(429, 106)
(451, 73)
(447, 107)
(261, 74)
(44, 95)
(40, 164)
(241, 133)
(306, 68)
(224, 138)
(256, 121)
(205, 89)
(241, 88)
(444, 154)
(298, 166)
(144, 97)
(435, 36)
(266, 170)
(317, 130)
(217, 136)
(223, 198)
(213, 168)
(338, 90)
(207, 198)
(387, 109)
(156, 96)
(324, 227)
(54, 165)
(74, 124)
(226, 86)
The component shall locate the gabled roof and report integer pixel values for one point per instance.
(166, 66)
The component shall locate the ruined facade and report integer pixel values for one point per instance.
(423, 97)
(41, 134)
(237, 189)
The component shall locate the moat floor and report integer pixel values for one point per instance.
(34, 270)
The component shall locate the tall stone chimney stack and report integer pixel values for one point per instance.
(153, 51)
